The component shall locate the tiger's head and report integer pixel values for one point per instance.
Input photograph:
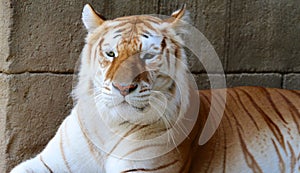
(134, 68)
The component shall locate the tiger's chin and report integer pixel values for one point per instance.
(144, 108)
(135, 114)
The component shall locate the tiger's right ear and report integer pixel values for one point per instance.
(91, 19)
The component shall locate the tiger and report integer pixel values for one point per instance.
(134, 87)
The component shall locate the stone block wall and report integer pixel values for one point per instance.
(258, 43)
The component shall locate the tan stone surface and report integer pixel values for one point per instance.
(5, 28)
(4, 96)
(291, 81)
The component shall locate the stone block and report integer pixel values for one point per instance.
(234, 80)
(210, 18)
(111, 9)
(5, 24)
(264, 36)
(271, 80)
(51, 34)
(37, 105)
(291, 81)
(45, 36)
(4, 99)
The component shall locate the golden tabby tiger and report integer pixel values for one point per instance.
(135, 104)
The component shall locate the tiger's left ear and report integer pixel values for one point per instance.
(178, 15)
(91, 19)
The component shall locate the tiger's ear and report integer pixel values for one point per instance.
(178, 15)
(91, 19)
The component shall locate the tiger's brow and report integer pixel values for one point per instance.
(118, 35)
(148, 33)
(119, 31)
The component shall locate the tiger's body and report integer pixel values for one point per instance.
(133, 82)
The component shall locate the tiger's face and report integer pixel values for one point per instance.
(133, 66)
(130, 59)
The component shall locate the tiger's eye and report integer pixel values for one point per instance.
(148, 56)
(110, 54)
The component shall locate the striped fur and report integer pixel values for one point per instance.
(133, 81)
(259, 132)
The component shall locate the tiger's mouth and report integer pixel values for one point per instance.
(137, 108)
(142, 109)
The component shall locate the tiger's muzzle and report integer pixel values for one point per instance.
(125, 89)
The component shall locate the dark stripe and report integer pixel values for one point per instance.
(101, 42)
(295, 92)
(120, 24)
(107, 88)
(126, 134)
(186, 165)
(168, 58)
(273, 105)
(148, 25)
(225, 150)
(140, 127)
(205, 98)
(153, 169)
(172, 87)
(146, 32)
(177, 48)
(163, 44)
(118, 35)
(293, 158)
(141, 148)
(144, 35)
(63, 153)
(122, 18)
(153, 21)
(244, 107)
(281, 162)
(227, 109)
(294, 110)
(177, 51)
(204, 110)
(271, 124)
(92, 147)
(119, 30)
(48, 168)
(250, 160)
(229, 121)
(143, 90)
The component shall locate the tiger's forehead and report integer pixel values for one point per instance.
(140, 33)
(128, 28)
(139, 18)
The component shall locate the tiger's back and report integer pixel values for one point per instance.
(259, 132)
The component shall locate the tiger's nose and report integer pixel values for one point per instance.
(125, 89)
